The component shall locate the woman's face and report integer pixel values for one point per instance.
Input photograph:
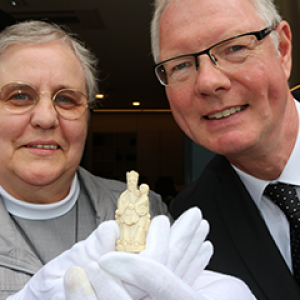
(26, 159)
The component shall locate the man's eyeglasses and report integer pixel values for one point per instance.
(19, 97)
(227, 54)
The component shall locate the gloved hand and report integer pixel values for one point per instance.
(99, 286)
(172, 265)
(181, 249)
(216, 286)
(49, 280)
(159, 283)
(189, 253)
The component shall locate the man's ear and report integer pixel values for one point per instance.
(285, 47)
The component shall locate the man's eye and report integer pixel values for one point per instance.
(235, 48)
(181, 66)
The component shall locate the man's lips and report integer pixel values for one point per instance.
(47, 147)
(226, 113)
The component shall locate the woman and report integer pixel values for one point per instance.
(48, 203)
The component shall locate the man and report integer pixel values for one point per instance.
(226, 65)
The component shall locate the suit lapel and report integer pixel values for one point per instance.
(252, 238)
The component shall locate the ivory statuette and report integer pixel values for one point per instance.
(133, 215)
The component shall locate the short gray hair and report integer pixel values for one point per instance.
(266, 10)
(40, 32)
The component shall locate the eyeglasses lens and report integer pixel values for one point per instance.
(19, 98)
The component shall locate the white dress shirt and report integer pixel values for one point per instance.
(275, 219)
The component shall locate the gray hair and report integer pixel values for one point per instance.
(40, 32)
(266, 10)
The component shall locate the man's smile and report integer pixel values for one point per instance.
(226, 113)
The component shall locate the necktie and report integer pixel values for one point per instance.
(285, 196)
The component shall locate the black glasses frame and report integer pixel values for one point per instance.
(261, 34)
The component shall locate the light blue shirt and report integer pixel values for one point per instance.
(275, 219)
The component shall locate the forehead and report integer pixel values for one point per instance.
(50, 63)
(192, 25)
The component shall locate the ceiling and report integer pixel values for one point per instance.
(117, 31)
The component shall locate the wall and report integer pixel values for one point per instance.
(159, 143)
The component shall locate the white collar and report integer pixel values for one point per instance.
(30, 211)
(290, 173)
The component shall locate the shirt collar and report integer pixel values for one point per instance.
(31, 211)
(290, 173)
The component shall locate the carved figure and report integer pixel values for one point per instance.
(133, 215)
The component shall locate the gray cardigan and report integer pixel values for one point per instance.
(18, 262)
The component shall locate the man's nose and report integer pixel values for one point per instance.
(209, 78)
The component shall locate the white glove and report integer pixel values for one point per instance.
(148, 275)
(160, 283)
(189, 253)
(184, 254)
(99, 286)
(49, 280)
(216, 286)
(182, 250)
(187, 233)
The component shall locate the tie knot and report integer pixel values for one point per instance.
(279, 190)
(285, 196)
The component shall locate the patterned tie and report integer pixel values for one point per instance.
(285, 196)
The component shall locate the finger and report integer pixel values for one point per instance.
(157, 248)
(101, 241)
(135, 292)
(105, 285)
(157, 243)
(59, 296)
(199, 263)
(77, 285)
(189, 216)
(212, 285)
(192, 249)
(181, 235)
(150, 276)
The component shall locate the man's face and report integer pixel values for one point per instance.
(259, 88)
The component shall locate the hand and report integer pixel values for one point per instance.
(189, 252)
(158, 282)
(217, 286)
(49, 280)
(101, 285)
(172, 265)
(181, 248)
(185, 254)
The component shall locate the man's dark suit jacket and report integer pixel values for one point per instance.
(243, 246)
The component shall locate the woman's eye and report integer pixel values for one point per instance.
(62, 99)
(20, 97)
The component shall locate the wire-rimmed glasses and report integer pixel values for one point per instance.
(19, 97)
(226, 54)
